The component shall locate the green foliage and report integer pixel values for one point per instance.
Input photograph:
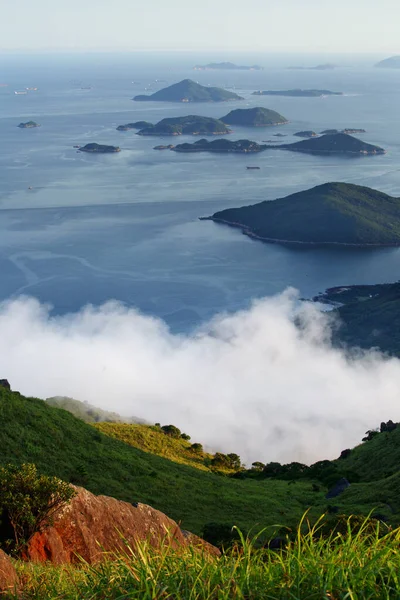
(89, 413)
(172, 431)
(357, 566)
(28, 502)
(254, 117)
(332, 213)
(221, 535)
(188, 125)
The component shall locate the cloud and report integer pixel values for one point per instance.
(252, 382)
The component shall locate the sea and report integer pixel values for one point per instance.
(78, 229)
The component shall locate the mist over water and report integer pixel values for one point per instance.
(250, 382)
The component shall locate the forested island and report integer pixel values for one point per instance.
(348, 131)
(28, 125)
(339, 143)
(369, 315)
(189, 91)
(305, 134)
(393, 62)
(221, 146)
(136, 125)
(254, 117)
(297, 93)
(329, 214)
(190, 125)
(227, 66)
(99, 149)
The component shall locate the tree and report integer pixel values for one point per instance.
(28, 503)
(196, 447)
(258, 466)
(172, 431)
(185, 436)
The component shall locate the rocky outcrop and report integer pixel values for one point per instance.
(8, 575)
(92, 526)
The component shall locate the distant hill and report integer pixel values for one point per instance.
(190, 125)
(298, 93)
(89, 413)
(332, 213)
(254, 117)
(339, 143)
(369, 315)
(189, 91)
(221, 147)
(393, 62)
(136, 125)
(226, 66)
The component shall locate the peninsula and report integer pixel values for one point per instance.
(297, 93)
(339, 143)
(99, 149)
(349, 131)
(254, 117)
(226, 66)
(189, 91)
(337, 214)
(28, 125)
(393, 62)
(190, 125)
(221, 146)
(136, 125)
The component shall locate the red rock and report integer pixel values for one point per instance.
(8, 574)
(91, 526)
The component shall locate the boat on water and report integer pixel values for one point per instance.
(24, 93)
(31, 89)
(252, 168)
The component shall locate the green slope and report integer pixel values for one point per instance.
(332, 213)
(254, 117)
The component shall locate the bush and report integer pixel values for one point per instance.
(197, 447)
(28, 503)
(185, 436)
(172, 431)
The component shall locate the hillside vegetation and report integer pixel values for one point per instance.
(332, 213)
(62, 445)
(89, 413)
(188, 90)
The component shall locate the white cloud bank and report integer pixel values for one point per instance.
(250, 382)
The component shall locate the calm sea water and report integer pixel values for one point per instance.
(126, 226)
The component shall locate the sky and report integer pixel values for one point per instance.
(332, 26)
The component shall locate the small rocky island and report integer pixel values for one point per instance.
(136, 125)
(297, 93)
(221, 146)
(393, 62)
(305, 134)
(339, 143)
(254, 117)
(190, 125)
(99, 149)
(348, 131)
(227, 66)
(329, 214)
(321, 67)
(189, 91)
(28, 125)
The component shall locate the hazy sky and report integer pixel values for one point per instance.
(306, 25)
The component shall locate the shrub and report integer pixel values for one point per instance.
(172, 431)
(197, 447)
(185, 436)
(28, 503)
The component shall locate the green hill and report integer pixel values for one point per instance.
(89, 413)
(60, 444)
(369, 315)
(254, 117)
(189, 91)
(332, 213)
(331, 144)
(190, 125)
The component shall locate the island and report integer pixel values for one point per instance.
(339, 143)
(298, 93)
(137, 125)
(254, 117)
(321, 67)
(305, 134)
(332, 214)
(227, 66)
(221, 146)
(28, 125)
(349, 131)
(393, 62)
(190, 125)
(163, 147)
(189, 91)
(99, 149)
(369, 315)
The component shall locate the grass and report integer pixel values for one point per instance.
(350, 566)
